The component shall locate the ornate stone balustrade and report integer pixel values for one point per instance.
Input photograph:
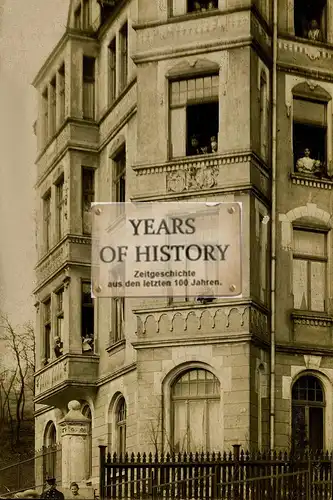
(196, 320)
(311, 181)
(65, 374)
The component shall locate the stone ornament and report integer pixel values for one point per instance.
(196, 177)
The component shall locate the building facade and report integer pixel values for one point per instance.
(132, 95)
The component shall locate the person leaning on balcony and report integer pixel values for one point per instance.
(307, 165)
(314, 32)
(52, 491)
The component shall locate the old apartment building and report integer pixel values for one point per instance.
(222, 100)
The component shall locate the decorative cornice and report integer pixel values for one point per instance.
(311, 319)
(217, 316)
(313, 182)
(116, 374)
(189, 162)
(81, 240)
(305, 72)
(149, 344)
(312, 50)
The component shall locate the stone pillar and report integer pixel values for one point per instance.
(74, 432)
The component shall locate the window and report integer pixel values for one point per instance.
(308, 405)
(88, 87)
(309, 135)
(60, 208)
(87, 319)
(45, 113)
(88, 195)
(309, 270)
(263, 117)
(47, 330)
(119, 178)
(86, 411)
(195, 410)
(187, 6)
(60, 313)
(194, 116)
(77, 18)
(112, 71)
(263, 259)
(86, 14)
(61, 79)
(47, 221)
(310, 19)
(53, 106)
(117, 318)
(121, 426)
(123, 39)
(50, 457)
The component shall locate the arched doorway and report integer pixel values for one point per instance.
(308, 406)
(86, 411)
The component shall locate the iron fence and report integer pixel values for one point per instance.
(233, 476)
(31, 472)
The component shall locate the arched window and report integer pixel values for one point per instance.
(308, 403)
(195, 398)
(50, 450)
(86, 411)
(121, 411)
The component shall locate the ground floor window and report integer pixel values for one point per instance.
(195, 409)
(308, 407)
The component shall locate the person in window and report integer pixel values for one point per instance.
(213, 144)
(87, 343)
(314, 32)
(307, 165)
(194, 147)
(52, 491)
(58, 347)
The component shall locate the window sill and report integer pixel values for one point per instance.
(116, 347)
(302, 40)
(311, 181)
(311, 318)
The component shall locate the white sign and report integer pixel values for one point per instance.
(188, 249)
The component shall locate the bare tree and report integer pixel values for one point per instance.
(17, 380)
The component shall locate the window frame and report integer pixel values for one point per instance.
(86, 194)
(121, 425)
(60, 206)
(87, 306)
(307, 404)
(59, 313)
(123, 52)
(119, 165)
(86, 412)
(112, 70)
(193, 12)
(47, 330)
(53, 106)
(191, 397)
(62, 92)
(309, 259)
(45, 115)
(323, 24)
(47, 220)
(89, 89)
(190, 102)
(316, 100)
(117, 319)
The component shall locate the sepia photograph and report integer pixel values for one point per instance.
(166, 257)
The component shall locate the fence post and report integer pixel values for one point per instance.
(102, 449)
(310, 474)
(236, 448)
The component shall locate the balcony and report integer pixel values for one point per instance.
(71, 248)
(312, 328)
(200, 174)
(294, 51)
(202, 322)
(70, 377)
(312, 181)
